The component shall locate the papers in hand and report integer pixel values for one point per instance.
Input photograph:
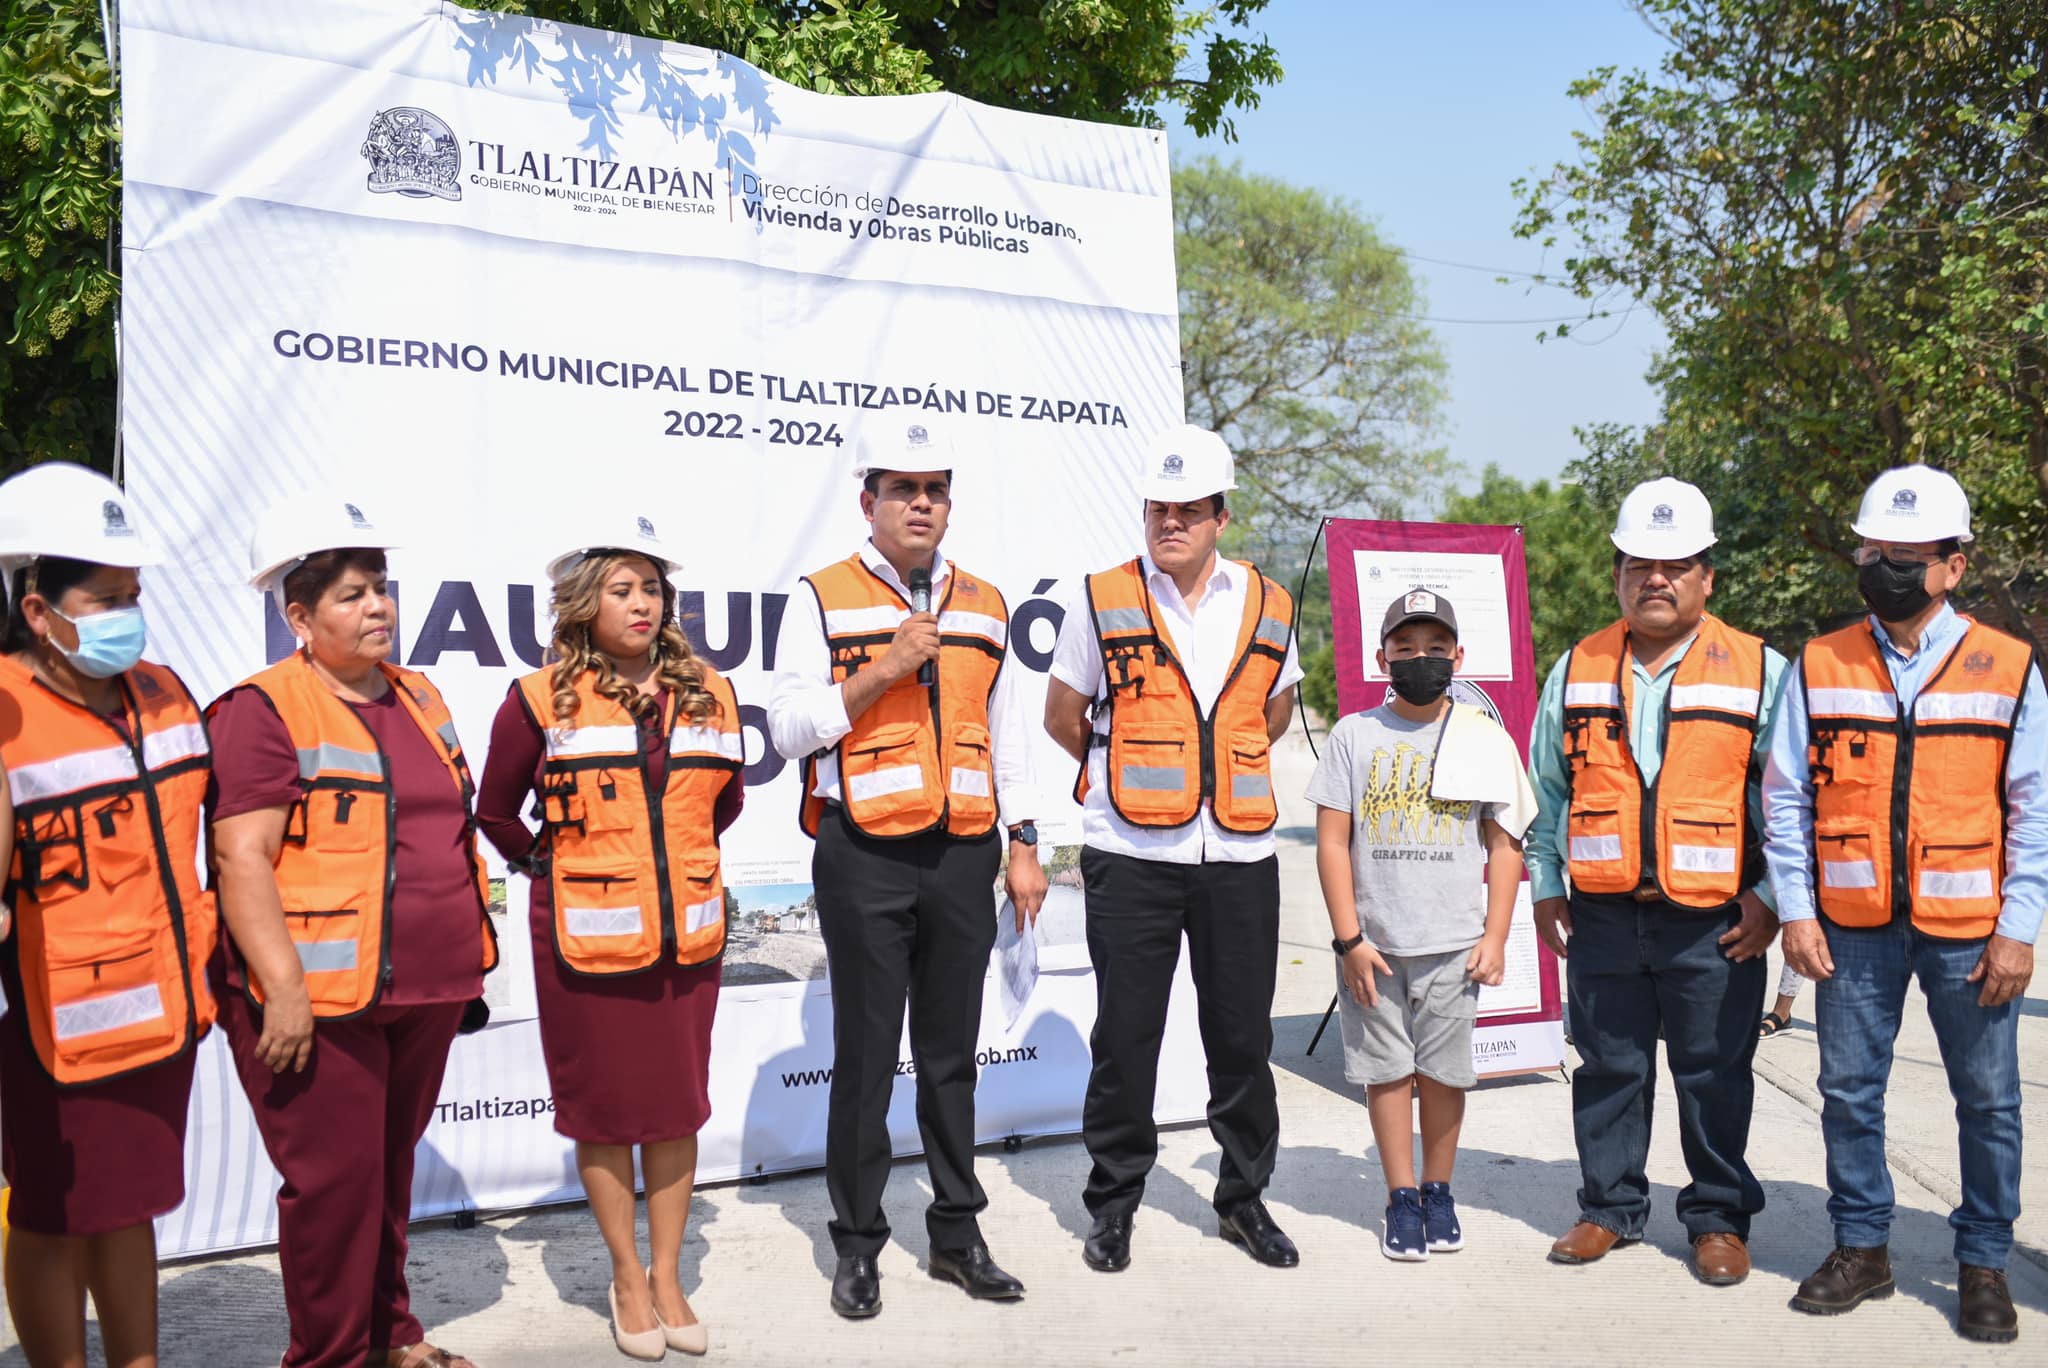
(1016, 962)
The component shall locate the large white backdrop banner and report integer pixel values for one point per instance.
(479, 270)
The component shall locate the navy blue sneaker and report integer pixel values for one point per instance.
(1440, 1219)
(1402, 1236)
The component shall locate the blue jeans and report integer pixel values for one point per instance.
(1858, 1013)
(1635, 967)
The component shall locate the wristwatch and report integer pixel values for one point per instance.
(1345, 947)
(1025, 833)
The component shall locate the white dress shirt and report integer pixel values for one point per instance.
(1205, 640)
(807, 711)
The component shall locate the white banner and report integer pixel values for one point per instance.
(478, 270)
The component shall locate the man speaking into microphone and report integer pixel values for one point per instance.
(916, 758)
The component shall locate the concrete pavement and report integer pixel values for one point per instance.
(529, 1288)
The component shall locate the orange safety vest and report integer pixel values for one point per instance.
(1689, 831)
(634, 873)
(1907, 814)
(919, 758)
(1165, 757)
(112, 927)
(338, 863)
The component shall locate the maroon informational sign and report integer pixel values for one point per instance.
(1483, 571)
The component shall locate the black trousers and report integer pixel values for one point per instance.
(1634, 967)
(1137, 913)
(916, 919)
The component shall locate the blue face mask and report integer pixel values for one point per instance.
(108, 643)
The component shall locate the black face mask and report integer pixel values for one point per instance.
(1420, 679)
(1896, 591)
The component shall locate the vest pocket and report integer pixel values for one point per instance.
(1150, 777)
(887, 776)
(971, 781)
(1244, 780)
(1852, 886)
(602, 923)
(1701, 849)
(327, 933)
(343, 819)
(1955, 883)
(1596, 853)
(699, 895)
(113, 1008)
(607, 805)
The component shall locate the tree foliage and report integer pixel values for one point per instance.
(1299, 345)
(1840, 210)
(1121, 61)
(1564, 540)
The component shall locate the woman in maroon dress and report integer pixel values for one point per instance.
(353, 893)
(632, 745)
(102, 769)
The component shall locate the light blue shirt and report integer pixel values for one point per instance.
(1544, 848)
(1788, 784)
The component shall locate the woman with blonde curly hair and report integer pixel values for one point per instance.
(631, 745)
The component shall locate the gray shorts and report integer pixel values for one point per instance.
(1422, 1025)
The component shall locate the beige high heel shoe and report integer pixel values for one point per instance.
(646, 1345)
(684, 1339)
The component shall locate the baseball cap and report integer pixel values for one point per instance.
(1418, 605)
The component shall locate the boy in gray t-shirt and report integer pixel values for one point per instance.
(1416, 932)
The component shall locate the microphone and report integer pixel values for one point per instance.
(921, 602)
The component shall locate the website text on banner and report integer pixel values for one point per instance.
(1483, 571)
(403, 259)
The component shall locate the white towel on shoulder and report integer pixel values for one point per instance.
(1476, 761)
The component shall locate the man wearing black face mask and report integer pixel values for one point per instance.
(1906, 804)
(1646, 752)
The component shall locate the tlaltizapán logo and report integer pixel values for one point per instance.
(416, 154)
(413, 153)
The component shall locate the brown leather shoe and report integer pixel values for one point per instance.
(1986, 1312)
(1845, 1280)
(1720, 1258)
(1584, 1243)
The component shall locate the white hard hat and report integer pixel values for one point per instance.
(902, 446)
(1664, 519)
(615, 529)
(60, 509)
(1186, 462)
(1914, 503)
(304, 525)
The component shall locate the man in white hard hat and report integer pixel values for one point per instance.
(1647, 743)
(1892, 862)
(1171, 678)
(896, 688)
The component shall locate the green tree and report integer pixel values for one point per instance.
(1122, 61)
(1564, 540)
(1299, 345)
(1840, 210)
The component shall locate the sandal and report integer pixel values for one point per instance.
(1771, 1025)
(423, 1355)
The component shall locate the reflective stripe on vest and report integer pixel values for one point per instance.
(919, 759)
(634, 877)
(1165, 759)
(1929, 844)
(1688, 836)
(112, 929)
(336, 866)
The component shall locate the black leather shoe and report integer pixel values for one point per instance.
(857, 1287)
(1108, 1247)
(1845, 1280)
(975, 1272)
(1986, 1312)
(1252, 1227)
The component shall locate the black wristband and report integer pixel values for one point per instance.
(1345, 947)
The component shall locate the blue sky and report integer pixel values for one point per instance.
(1422, 115)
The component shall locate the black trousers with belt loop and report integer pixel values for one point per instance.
(1138, 911)
(903, 919)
